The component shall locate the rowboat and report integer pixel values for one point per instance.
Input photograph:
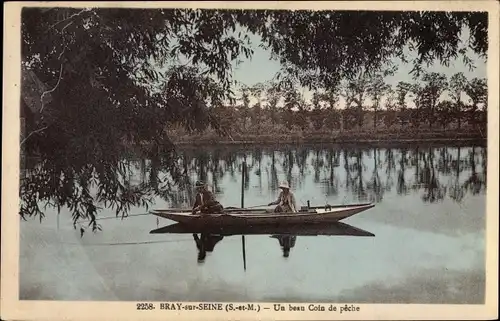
(328, 229)
(245, 217)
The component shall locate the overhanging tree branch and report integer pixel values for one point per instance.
(33, 132)
(51, 90)
(69, 18)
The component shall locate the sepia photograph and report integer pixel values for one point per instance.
(250, 160)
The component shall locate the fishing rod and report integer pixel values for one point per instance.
(142, 214)
(116, 217)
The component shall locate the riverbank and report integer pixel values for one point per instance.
(345, 138)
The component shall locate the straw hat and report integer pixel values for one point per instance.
(284, 184)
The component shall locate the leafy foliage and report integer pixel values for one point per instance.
(381, 103)
(477, 90)
(435, 85)
(319, 48)
(108, 96)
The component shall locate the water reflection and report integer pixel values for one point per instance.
(327, 229)
(436, 173)
(429, 220)
(287, 242)
(364, 174)
(286, 235)
(205, 243)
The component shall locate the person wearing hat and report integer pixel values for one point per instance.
(205, 201)
(286, 200)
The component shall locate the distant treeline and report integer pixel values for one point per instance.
(372, 107)
(342, 125)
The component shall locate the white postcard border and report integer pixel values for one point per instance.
(13, 309)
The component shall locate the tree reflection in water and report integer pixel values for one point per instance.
(361, 173)
(367, 173)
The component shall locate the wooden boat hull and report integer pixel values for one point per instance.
(328, 229)
(245, 217)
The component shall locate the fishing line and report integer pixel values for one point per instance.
(132, 243)
(117, 217)
(128, 243)
(111, 217)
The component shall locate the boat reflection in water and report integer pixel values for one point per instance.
(286, 243)
(285, 234)
(205, 243)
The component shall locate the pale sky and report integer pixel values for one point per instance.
(260, 68)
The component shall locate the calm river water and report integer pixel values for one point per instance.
(429, 226)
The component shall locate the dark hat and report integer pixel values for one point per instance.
(199, 184)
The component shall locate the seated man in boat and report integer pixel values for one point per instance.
(286, 200)
(205, 201)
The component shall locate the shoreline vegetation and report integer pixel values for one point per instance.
(267, 131)
(347, 137)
